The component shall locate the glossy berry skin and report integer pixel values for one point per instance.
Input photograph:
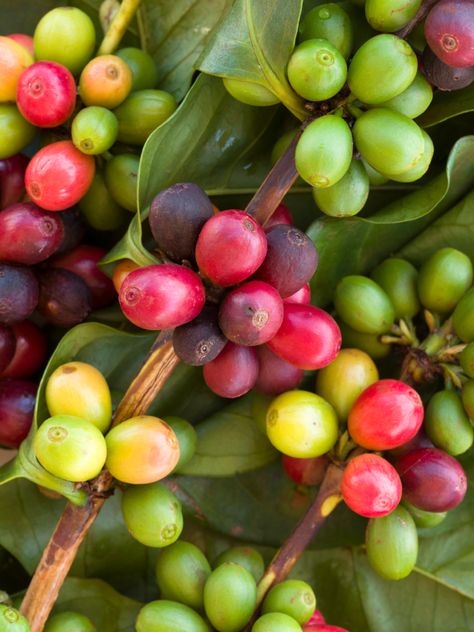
(69, 622)
(370, 343)
(230, 597)
(398, 279)
(11, 620)
(432, 480)
(244, 556)
(16, 132)
(187, 439)
(308, 338)
(467, 395)
(12, 180)
(292, 597)
(305, 471)
(390, 16)
(420, 440)
(414, 100)
(422, 166)
(141, 450)
(29, 234)
(201, 340)
(425, 519)
(301, 296)
(19, 293)
(141, 113)
(276, 375)
(231, 247)
(250, 92)
(291, 260)
(74, 230)
(445, 77)
(371, 486)
(348, 196)
(281, 215)
(105, 81)
(316, 619)
(94, 130)
(7, 347)
(58, 176)
(17, 403)
(447, 424)
(462, 317)
(466, 360)
(161, 296)
(142, 66)
(46, 94)
(251, 314)
(234, 372)
(121, 270)
(301, 424)
(14, 59)
(328, 21)
(30, 350)
(276, 622)
(363, 305)
(160, 615)
(121, 175)
(397, 404)
(64, 298)
(99, 208)
(448, 31)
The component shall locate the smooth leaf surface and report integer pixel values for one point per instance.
(446, 105)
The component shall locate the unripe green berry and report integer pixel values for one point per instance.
(11, 620)
(292, 597)
(247, 557)
(363, 305)
(169, 616)
(414, 100)
(69, 622)
(348, 196)
(250, 93)
(328, 21)
(447, 424)
(398, 278)
(389, 16)
(230, 597)
(466, 360)
(276, 622)
(463, 322)
(425, 519)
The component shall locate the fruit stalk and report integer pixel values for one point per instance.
(420, 15)
(118, 26)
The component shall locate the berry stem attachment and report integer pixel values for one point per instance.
(75, 521)
(118, 26)
(422, 12)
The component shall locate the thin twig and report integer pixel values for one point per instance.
(422, 12)
(118, 26)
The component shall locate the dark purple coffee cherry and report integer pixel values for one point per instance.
(17, 404)
(200, 341)
(65, 299)
(443, 76)
(74, 230)
(7, 346)
(18, 293)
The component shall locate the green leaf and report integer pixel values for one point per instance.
(355, 245)
(254, 43)
(446, 105)
(230, 442)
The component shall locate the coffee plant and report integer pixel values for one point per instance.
(236, 315)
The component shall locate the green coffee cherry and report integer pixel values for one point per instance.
(375, 177)
(69, 622)
(369, 343)
(249, 92)
(12, 621)
(425, 519)
(342, 381)
(15, 131)
(443, 279)
(447, 424)
(398, 278)
(316, 70)
(260, 404)
(381, 69)
(121, 180)
(99, 208)
(466, 360)
(230, 597)
(152, 514)
(187, 439)
(419, 170)
(141, 113)
(169, 616)
(392, 544)
(363, 305)
(181, 572)
(328, 21)
(245, 556)
(276, 622)
(94, 130)
(292, 597)
(389, 16)
(70, 448)
(282, 145)
(414, 100)
(324, 151)
(389, 141)
(348, 196)
(468, 398)
(463, 322)
(142, 65)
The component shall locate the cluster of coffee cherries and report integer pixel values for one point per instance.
(236, 293)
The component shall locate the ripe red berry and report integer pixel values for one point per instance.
(301, 296)
(281, 215)
(30, 350)
(12, 179)
(230, 247)
(276, 375)
(306, 472)
(234, 372)
(386, 415)
(316, 619)
(323, 628)
(371, 486)
(161, 296)
(17, 404)
(420, 440)
(449, 32)
(7, 346)
(308, 338)
(59, 175)
(46, 94)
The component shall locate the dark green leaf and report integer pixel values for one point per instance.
(446, 105)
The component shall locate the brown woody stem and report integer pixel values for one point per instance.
(422, 12)
(118, 26)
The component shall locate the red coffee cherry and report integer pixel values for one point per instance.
(306, 472)
(234, 372)
(30, 350)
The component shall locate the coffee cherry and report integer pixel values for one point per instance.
(58, 176)
(281, 215)
(463, 323)
(12, 179)
(200, 341)
(375, 177)
(425, 519)
(392, 15)
(24, 40)
(432, 480)
(99, 208)
(11, 620)
(64, 298)
(468, 398)
(259, 408)
(74, 230)
(342, 381)
(301, 296)
(231, 247)
(105, 81)
(65, 35)
(230, 596)
(30, 350)
(80, 390)
(275, 375)
(28, 234)
(316, 619)
(445, 77)
(392, 544)
(328, 21)
(70, 448)
(94, 130)
(305, 471)
(167, 616)
(348, 196)
(398, 279)
(363, 305)
(141, 113)
(308, 338)
(291, 259)
(153, 516)
(370, 343)
(121, 270)
(142, 67)
(443, 279)
(46, 94)
(383, 67)
(447, 424)
(448, 31)
(420, 440)
(249, 92)
(186, 436)
(14, 59)
(141, 450)
(176, 218)
(422, 166)
(121, 173)
(466, 360)
(161, 296)
(16, 132)
(181, 572)
(69, 622)
(324, 628)
(302, 424)
(279, 149)
(244, 556)
(371, 486)
(324, 151)
(414, 100)
(19, 293)
(292, 597)
(17, 404)
(276, 622)
(7, 347)
(234, 372)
